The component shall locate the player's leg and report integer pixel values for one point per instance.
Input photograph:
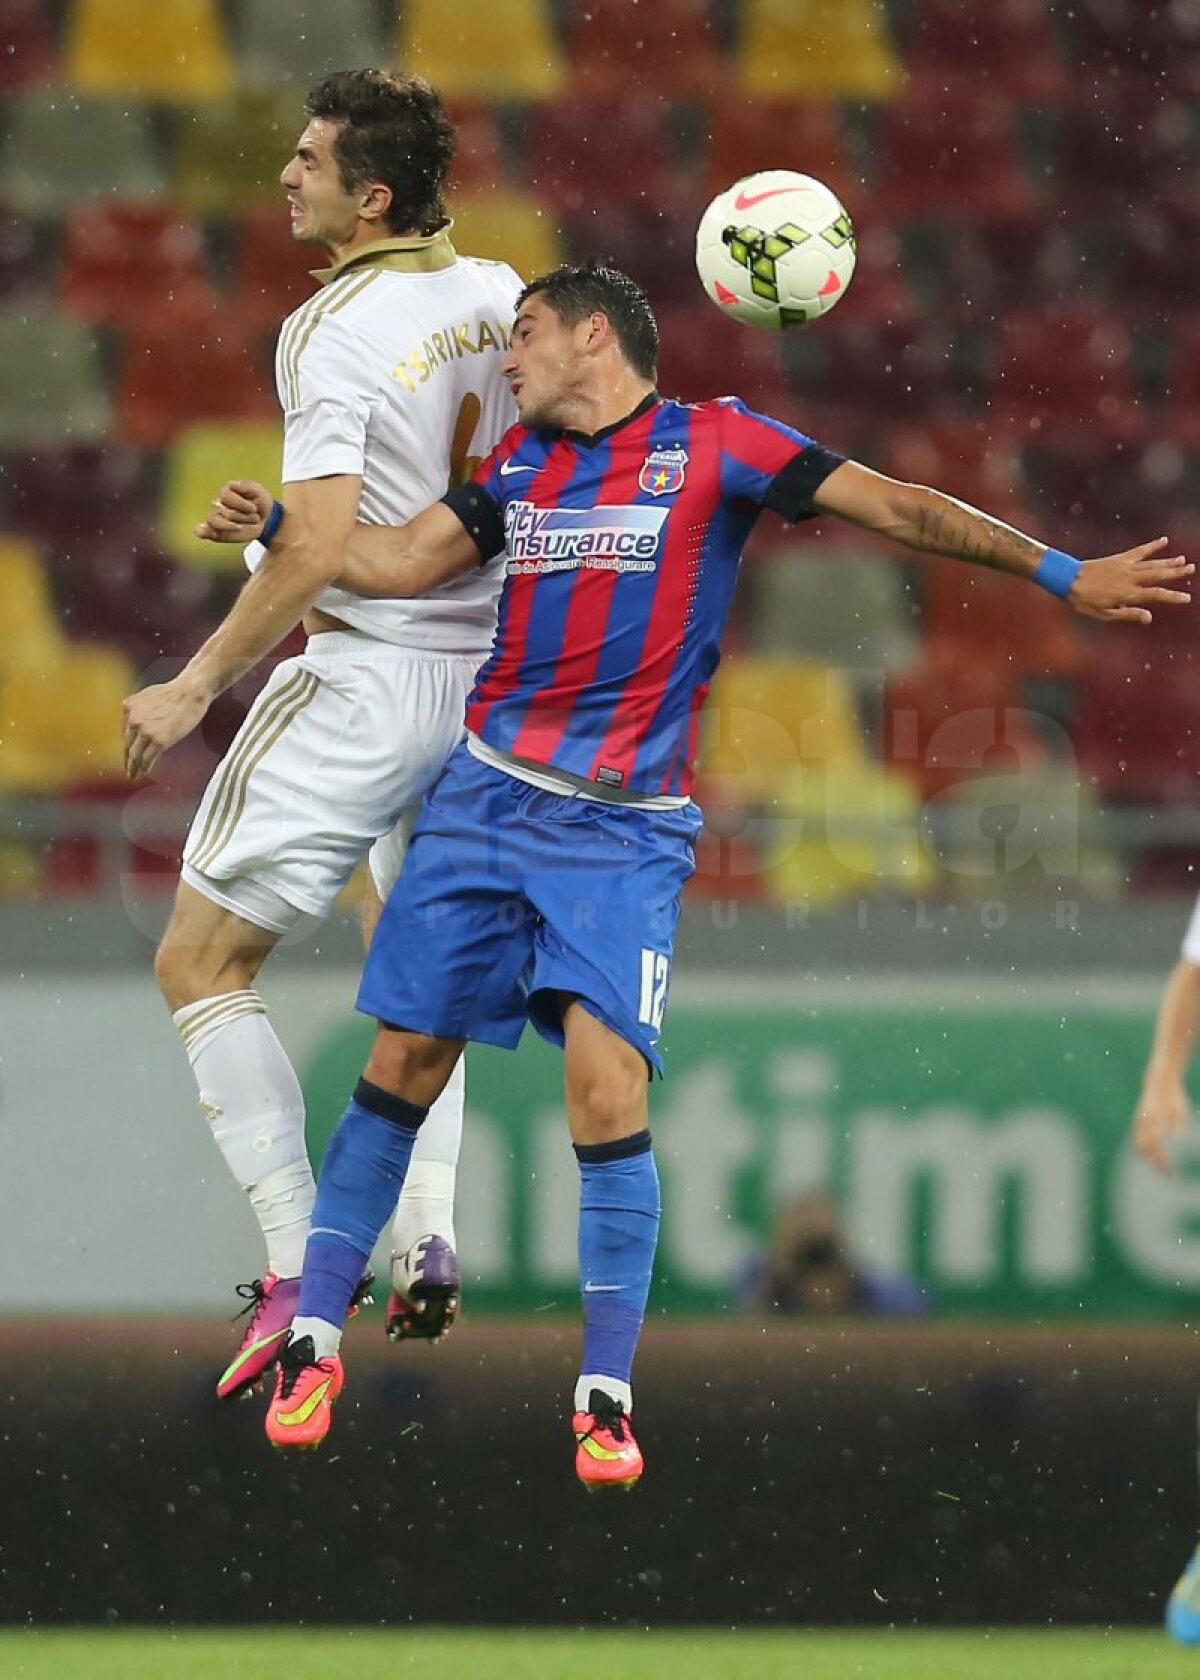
(1183, 1606)
(619, 1209)
(425, 1282)
(206, 966)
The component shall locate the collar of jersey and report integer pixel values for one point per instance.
(588, 439)
(413, 254)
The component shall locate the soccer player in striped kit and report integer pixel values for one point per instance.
(390, 384)
(544, 877)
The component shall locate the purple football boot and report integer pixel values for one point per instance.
(273, 1301)
(423, 1303)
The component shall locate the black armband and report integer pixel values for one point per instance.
(791, 491)
(480, 516)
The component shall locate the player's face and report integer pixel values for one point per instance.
(323, 212)
(545, 364)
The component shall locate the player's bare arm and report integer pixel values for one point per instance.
(1118, 588)
(272, 603)
(1163, 1110)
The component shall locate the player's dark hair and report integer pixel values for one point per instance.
(391, 128)
(574, 290)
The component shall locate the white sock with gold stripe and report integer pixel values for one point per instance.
(250, 1093)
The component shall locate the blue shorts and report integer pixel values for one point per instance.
(510, 895)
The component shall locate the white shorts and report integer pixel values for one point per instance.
(334, 756)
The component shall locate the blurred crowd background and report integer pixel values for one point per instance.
(1022, 331)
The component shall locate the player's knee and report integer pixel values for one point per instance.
(175, 972)
(411, 1065)
(608, 1103)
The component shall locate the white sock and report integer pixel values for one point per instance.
(250, 1093)
(326, 1337)
(612, 1386)
(426, 1205)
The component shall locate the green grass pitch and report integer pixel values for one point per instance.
(958, 1654)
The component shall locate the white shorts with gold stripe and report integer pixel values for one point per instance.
(333, 759)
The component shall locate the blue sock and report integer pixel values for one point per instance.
(619, 1207)
(360, 1179)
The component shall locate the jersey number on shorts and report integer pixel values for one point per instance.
(656, 971)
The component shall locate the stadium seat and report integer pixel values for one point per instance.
(52, 385)
(199, 461)
(977, 273)
(1153, 251)
(1113, 141)
(61, 497)
(1127, 41)
(950, 719)
(277, 45)
(654, 243)
(1105, 493)
(61, 150)
(230, 155)
(669, 45)
(128, 264)
(30, 635)
(1182, 405)
(833, 598)
(272, 274)
(842, 831)
(176, 53)
(1006, 44)
(24, 272)
(904, 370)
(704, 354)
(748, 135)
(1065, 370)
(210, 369)
(506, 226)
(30, 55)
(479, 163)
(503, 51)
(767, 718)
(817, 49)
(62, 721)
(958, 453)
(1137, 729)
(575, 164)
(127, 593)
(984, 618)
(937, 144)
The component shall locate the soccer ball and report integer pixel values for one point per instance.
(776, 249)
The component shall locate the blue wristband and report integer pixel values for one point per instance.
(272, 523)
(1056, 571)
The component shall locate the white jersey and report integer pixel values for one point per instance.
(392, 371)
(1191, 939)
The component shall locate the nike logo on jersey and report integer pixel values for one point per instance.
(508, 467)
(747, 201)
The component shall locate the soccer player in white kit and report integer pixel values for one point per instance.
(389, 379)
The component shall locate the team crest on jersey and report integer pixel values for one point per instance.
(663, 470)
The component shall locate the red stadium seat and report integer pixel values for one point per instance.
(272, 273)
(747, 135)
(942, 148)
(21, 271)
(30, 54)
(703, 354)
(211, 369)
(1068, 370)
(584, 154)
(70, 498)
(1119, 140)
(1130, 41)
(478, 149)
(976, 617)
(126, 265)
(897, 369)
(957, 453)
(956, 717)
(654, 243)
(1154, 252)
(978, 274)
(1183, 384)
(1006, 44)
(670, 46)
(1137, 727)
(1107, 494)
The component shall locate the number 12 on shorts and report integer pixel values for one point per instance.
(656, 972)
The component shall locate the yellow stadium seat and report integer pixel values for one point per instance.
(822, 49)
(767, 718)
(507, 227)
(485, 50)
(62, 722)
(846, 830)
(30, 637)
(170, 50)
(201, 459)
(230, 154)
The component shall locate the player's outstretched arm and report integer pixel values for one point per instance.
(1163, 1110)
(272, 603)
(388, 562)
(1119, 588)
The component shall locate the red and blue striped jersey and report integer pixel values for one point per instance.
(622, 554)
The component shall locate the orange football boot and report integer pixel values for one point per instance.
(606, 1454)
(306, 1387)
